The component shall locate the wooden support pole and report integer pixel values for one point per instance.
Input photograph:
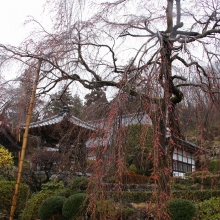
(24, 144)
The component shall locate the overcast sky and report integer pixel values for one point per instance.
(13, 14)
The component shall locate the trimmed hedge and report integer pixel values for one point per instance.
(208, 181)
(6, 194)
(181, 209)
(196, 195)
(74, 205)
(214, 166)
(79, 183)
(209, 209)
(143, 196)
(105, 209)
(32, 205)
(51, 207)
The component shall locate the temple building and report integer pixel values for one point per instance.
(75, 139)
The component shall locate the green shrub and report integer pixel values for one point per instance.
(208, 181)
(209, 209)
(80, 183)
(32, 205)
(109, 209)
(143, 196)
(215, 217)
(66, 192)
(188, 174)
(51, 207)
(74, 205)
(186, 182)
(133, 168)
(181, 209)
(126, 212)
(8, 173)
(214, 166)
(53, 185)
(6, 194)
(196, 195)
(201, 173)
(105, 209)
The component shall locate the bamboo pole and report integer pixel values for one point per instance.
(24, 144)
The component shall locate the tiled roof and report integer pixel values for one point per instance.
(193, 147)
(58, 118)
(129, 119)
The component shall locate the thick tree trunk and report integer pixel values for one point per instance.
(164, 117)
(162, 168)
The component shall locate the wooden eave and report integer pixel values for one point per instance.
(191, 147)
(7, 139)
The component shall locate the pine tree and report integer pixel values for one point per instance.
(64, 98)
(95, 106)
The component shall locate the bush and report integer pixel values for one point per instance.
(66, 192)
(74, 205)
(32, 205)
(208, 181)
(202, 173)
(209, 209)
(132, 196)
(105, 209)
(6, 194)
(126, 212)
(214, 166)
(6, 158)
(133, 168)
(188, 174)
(143, 196)
(51, 207)
(109, 209)
(178, 180)
(80, 183)
(181, 209)
(53, 185)
(196, 195)
(6, 164)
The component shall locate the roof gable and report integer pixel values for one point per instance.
(58, 119)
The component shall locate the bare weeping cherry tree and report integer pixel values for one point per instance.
(152, 50)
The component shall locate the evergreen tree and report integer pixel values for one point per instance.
(95, 106)
(64, 98)
(77, 106)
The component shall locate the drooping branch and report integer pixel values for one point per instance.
(198, 67)
(114, 59)
(178, 77)
(147, 29)
(97, 77)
